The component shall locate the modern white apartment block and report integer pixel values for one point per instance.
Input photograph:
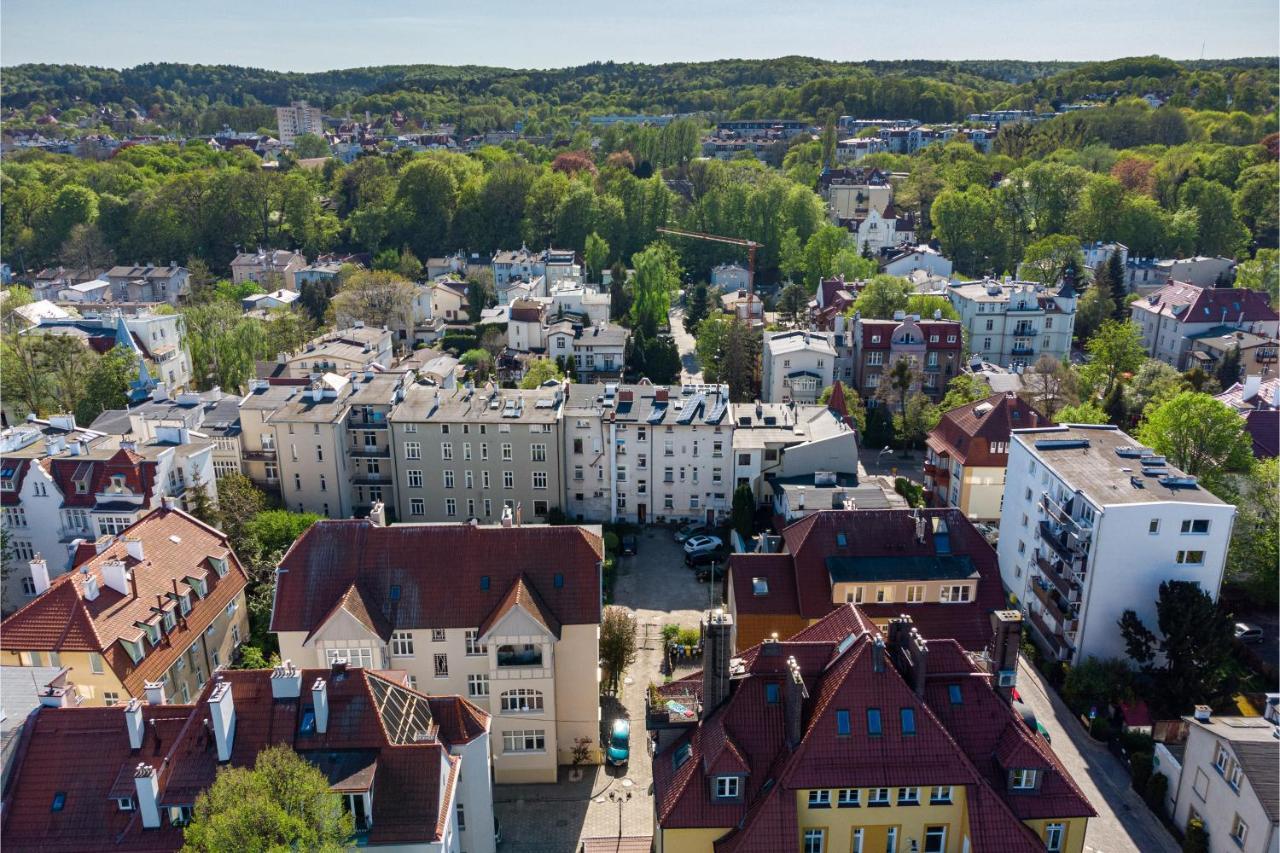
(796, 366)
(1092, 524)
(777, 440)
(648, 453)
(1013, 323)
(298, 119)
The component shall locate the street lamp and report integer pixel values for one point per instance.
(619, 798)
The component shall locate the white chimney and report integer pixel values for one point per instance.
(40, 573)
(133, 545)
(1203, 713)
(222, 715)
(59, 693)
(507, 517)
(800, 497)
(320, 701)
(102, 543)
(160, 393)
(147, 787)
(90, 589)
(154, 691)
(1251, 386)
(378, 514)
(286, 681)
(133, 723)
(116, 576)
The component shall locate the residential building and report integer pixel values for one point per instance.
(1012, 323)
(154, 611)
(855, 150)
(826, 310)
(61, 485)
(1200, 271)
(158, 341)
(876, 231)
(819, 743)
(934, 346)
(526, 325)
(779, 440)
(598, 352)
(298, 119)
(449, 300)
(729, 277)
(796, 366)
(745, 307)
(259, 454)
(357, 349)
(1144, 275)
(148, 283)
(931, 564)
(1099, 252)
(1172, 317)
(798, 496)
(648, 453)
(1092, 524)
(1257, 352)
(968, 450)
(320, 272)
(412, 770)
(505, 615)
(552, 265)
(1258, 402)
(271, 268)
(51, 281)
(210, 415)
(581, 303)
(20, 695)
(909, 258)
(33, 313)
(470, 452)
(269, 301)
(856, 196)
(786, 127)
(1228, 779)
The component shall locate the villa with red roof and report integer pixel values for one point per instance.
(1172, 318)
(412, 769)
(844, 738)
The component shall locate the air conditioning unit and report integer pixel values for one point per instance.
(1008, 678)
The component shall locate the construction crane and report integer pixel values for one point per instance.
(750, 245)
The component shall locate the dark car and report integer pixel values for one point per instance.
(629, 545)
(703, 559)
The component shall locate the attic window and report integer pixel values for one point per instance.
(873, 722)
(308, 726)
(908, 722)
(484, 581)
(760, 586)
(771, 694)
(682, 755)
(125, 804)
(953, 692)
(841, 540)
(395, 592)
(59, 800)
(843, 727)
(558, 581)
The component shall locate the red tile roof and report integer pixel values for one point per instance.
(1263, 426)
(438, 575)
(521, 595)
(885, 329)
(991, 420)
(176, 546)
(779, 578)
(139, 476)
(1188, 303)
(15, 473)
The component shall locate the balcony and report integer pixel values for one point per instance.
(524, 655)
(1058, 573)
(938, 473)
(371, 479)
(1054, 603)
(1023, 349)
(671, 711)
(1046, 638)
(370, 453)
(266, 454)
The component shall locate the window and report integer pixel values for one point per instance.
(854, 596)
(1023, 779)
(477, 686)
(474, 646)
(908, 796)
(955, 594)
(1153, 526)
(1221, 758)
(1239, 831)
(940, 794)
(437, 635)
(1191, 558)
(1201, 784)
(448, 479)
(935, 839)
(681, 756)
(28, 587)
(468, 479)
(484, 448)
(402, 644)
(484, 481)
(1054, 835)
(413, 450)
(873, 722)
(446, 451)
(522, 700)
(450, 507)
(539, 479)
(414, 478)
(506, 452)
(908, 716)
(1197, 525)
(59, 800)
(878, 797)
(441, 666)
(354, 657)
(508, 480)
(524, 740)
(847, 798)
(417, 506)
(915, 593)
(538, 452)
(110, 698)
(728, 787)
(772, 693)
(884, 594)
(95, 663)
(815, 840)
(462, 820)
(820, 799)
(125, 804)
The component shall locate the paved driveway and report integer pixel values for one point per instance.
(659, 590)
(690, 370)
(1123, 823)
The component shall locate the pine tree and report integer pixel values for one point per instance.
(201, 505)
(1113, 405)
(744, 511)
(1119, 291)
(696, 309)
(1228, 369)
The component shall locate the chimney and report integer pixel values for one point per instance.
(793, 703)
(169, 502)
(147, 787)
(1252, 384)
(222, 713)
(90, 589)
(1006, 628)
(877, 654)
(320, 701)
(1203, 713)
(59, 693)
(506, 516)
(133, 545)
(378, 514)
(660, 395)
(154, 691)
(799, 497)
(40, 573)
(717, 638)
(116, 576)
(286, 681)
(133, 723)
(910, 652)
(160, 393)
(102, 543)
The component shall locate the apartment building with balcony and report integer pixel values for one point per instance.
(1012, 323)
(412, 770)
(934, 346)
(259, 454)
(851, 737)
(1092, 524)
(648, 453)
(506, 615)
(1176, 316)
(153, 612)
(470, 452)
(298, 119)
(61, 485)
(356, 349)
(158, 341)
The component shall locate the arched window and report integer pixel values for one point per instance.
(521, 700)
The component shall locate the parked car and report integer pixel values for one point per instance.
(629, 545)
(703, 558)
(1247, 632)
(702, 543)
(619, 751)
(689, 531)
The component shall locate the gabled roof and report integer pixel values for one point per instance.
(523, 597)
(992, 420)
(1188, 303)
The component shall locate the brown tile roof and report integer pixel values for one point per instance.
(523, 596)
(438, 575)
(175, 546)
(991, 420)
(1188, 303)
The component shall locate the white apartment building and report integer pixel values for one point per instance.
(1013, 323)
(1092, 523)
(298, 119)
(648, 453)
(796, 366)
(1099, 252)
(922, 257)
(158, 340)
(779, 440)
(271, 268)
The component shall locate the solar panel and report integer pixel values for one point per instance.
(717, 413)
(691, 408)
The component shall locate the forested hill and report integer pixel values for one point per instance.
(792, 86)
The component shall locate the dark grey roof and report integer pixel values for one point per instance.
(948, 567)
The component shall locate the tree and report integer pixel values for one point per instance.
(617, 645)
(740, 362)
(1227, 370)
(1087, 412)
(224, 344)
(1153, 383)
(1201, 435)
(540, 370)
(852, 403)
(1113, 405)
(480, 293)
(1261, 272)
(963, 389)
(1119, 290)
(239, 500)
(478, 362)
(1093, 309)
(408, 265)
(918, 416)
(895, 388)
(1190, 661)
(108, 383)
(1097, 683)
(793, 304)
(283, 803)
(657, 276)
(86, 249)
(882, 296)
(200, 501)
(309, 145)
(710, 344)
(1046, 259)
(926, 305)
(1219, 231)
(596, 256)
(277, 529)
(1254, 555)
(378, 298)
(1116, 349)
(1049, 385)
(744, 511)
(696, 308)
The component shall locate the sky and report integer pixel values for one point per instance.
(327, 34)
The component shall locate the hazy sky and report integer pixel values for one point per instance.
(326, 34)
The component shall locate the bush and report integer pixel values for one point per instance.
(611, 543)
(689, 636)
(458, 343)
(1197, 839)
(1134, 742)
(1140, 770)
(669, 634)
(1095, 683)
(1157, 790)
(913, 492)
(1100, 729)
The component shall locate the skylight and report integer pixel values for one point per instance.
(873, 722)
(760, 586)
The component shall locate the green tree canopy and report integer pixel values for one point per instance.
(882, 296)
(1114, 350)
(1199, 434)
(540, 370)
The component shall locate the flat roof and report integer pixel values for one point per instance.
(426, 403)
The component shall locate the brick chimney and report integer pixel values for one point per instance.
(717, 638)
(910, 652)
(793, 703)
(1006, 627)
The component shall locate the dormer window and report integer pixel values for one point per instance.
(184, 603)
(133, 648)
(220, 565)
(125, 804)
(728, 787)
(170, 620)
(681, 755)
(1024, 779)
